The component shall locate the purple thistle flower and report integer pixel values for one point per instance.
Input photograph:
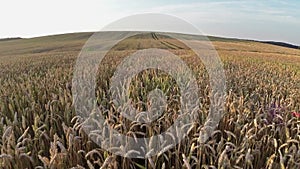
(275, 114)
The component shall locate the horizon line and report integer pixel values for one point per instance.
(207, 35)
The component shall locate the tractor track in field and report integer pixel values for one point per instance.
(165, 43)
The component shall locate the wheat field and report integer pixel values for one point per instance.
(39, 127)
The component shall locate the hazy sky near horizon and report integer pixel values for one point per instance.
(253, 19)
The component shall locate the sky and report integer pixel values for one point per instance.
(277, 20)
